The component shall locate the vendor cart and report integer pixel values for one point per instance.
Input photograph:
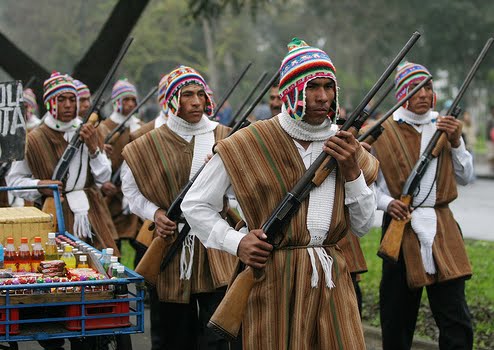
(42, 311)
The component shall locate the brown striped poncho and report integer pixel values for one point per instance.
(284, 311)
(398, 150)
(160, 161)
(126, 225)
(142, 130)
(43, 150)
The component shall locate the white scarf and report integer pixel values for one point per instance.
(321, 199)
(424, 219)
(203, 133)
(160, 120)
(300, 130)
(133, 123)
(32, 122)
(76, 177)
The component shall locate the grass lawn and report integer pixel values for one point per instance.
(479, 291)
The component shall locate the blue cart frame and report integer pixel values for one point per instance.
(34, 329)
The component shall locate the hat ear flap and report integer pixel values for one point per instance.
(434, 100)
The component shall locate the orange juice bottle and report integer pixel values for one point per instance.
(38, 254)
(10, 258)
(24, 256)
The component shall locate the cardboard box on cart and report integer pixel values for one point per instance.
(24, 222)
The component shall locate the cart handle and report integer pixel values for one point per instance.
(56, 196)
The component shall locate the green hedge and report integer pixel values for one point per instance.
(479, 291)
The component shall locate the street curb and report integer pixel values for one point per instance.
(373, 340)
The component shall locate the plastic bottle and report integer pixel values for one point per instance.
(10, 258)
(24, 256)
(103, 254)
(68, 257)
(51, 250)
(2, 256)
(121, 290)
(82, 262)
(106, 259)
(38, 254)
(113, 261)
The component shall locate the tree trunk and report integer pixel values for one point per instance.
(209, 41)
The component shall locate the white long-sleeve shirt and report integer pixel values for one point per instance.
(204, 201)
(21, 175)
(462, 165)
(138, 204)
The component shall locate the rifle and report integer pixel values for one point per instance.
(30, 82)
(391, 241)
(229, 92)
(147, 266)
(228, 316)
(376, 129)
(91, 116)
(254, 89)
(115, 133)
(146, 232)
(4, 169)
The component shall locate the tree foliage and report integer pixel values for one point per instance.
(360, 37)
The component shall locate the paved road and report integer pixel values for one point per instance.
(473, 209)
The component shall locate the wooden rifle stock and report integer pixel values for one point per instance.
(391, 242)
(145, 234)
(227, 318)
(149, 266)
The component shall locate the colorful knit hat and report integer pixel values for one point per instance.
(176, 80)
(30, 100)
(122, 89)
(408, 73)
(55, 85)
(82, 89)
(161, 94)
(302, 64)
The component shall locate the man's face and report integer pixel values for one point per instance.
(319, 95)
(421, 102)
(275, 101)
(128, 104)
(29, 114)
(84, 104)
(66, 106)
(192, 103)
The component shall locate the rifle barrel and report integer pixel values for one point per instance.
(381, 99)
(381, 120)
(254, 103)
(470, 75)
(413, 39)
(309, 174)
(259, 81)
(120, 126)
(75, 142)
(229, 92)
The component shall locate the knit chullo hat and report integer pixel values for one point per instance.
(55, 85)
(122, 88)
(162, 94)
(30, 100)
(82, 89)
(176, 80)
(302, 64)
(407, 74)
